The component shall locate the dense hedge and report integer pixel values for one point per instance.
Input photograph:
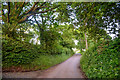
(102, 60)
(17, 52)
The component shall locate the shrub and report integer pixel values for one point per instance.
(28, 57)
(17, 52)
(102, 60)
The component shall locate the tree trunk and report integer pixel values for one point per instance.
(8, 18)
(41, 31)
(86, 41)
(80, 45)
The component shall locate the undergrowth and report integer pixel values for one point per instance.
(45, 62)
(22, 56)
(102, 60)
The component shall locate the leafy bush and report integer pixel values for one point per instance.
(25, 56)
(102, 60)
(17, 52)
(58, 49)
(67, 51)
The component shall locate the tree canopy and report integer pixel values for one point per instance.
(86, 21)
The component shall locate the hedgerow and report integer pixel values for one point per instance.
(27, 56)
(17, 52)
(102, 60)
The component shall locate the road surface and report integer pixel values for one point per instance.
(68, 69)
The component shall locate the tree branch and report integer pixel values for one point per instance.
(26, 3)
(42, 4)
(31, 8)
(23, 4)
(25, 18)
(3, 15)
(46, 10)
(15, 6)
(33, 13)
(37, 8)
(8, 17)
(37, 23)
(21, 9)
(28, 10)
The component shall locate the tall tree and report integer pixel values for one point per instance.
(15, 13)
(20, 11)
(86, 41)
(92, 16)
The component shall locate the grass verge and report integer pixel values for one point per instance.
(41, 63)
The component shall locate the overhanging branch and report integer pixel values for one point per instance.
(47, 10)
(33, 13)
(3, 15)
(24, 19)
(31, 8)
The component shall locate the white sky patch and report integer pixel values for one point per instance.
(31, 30)
(61, 32)
(38, 41)
(26, 32)
(112, 35)
(76, 41)
(35, 40)
(55, 14)
(75, 50)
(62, 24)
(18, 29)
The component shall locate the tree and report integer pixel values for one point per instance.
(20, 11)
(45, 23)
(15, 13)
(92, 17)
(67, 36)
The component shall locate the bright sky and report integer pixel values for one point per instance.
(117, 28)
(76, 41)
(76, 50)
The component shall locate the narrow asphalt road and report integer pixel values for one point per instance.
(68, 69)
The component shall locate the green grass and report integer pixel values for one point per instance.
(41, 63)
(45, 62)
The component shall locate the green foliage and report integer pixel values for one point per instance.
(102, 60)
(93, 17)
(67, 36)
(42, 62)
(17, 52)
(47, 61)
(57, 40)
(81, 45)
(27, 56)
